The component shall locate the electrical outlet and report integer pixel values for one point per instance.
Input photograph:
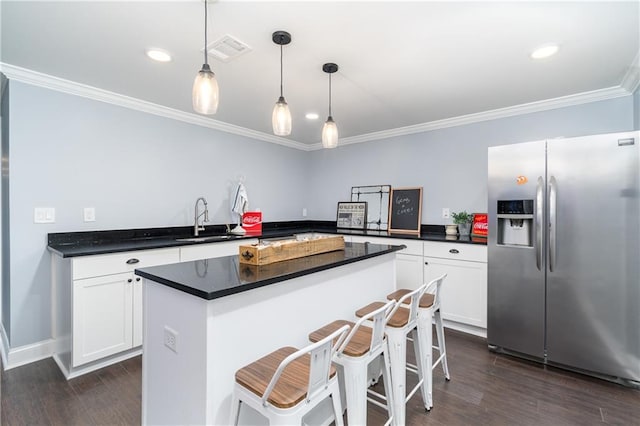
(446, 214)
(171, 339)
(89, 214)
(304, 212)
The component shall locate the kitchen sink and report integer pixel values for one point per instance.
(204, 239)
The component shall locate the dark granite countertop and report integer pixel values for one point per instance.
(74, 244)
(214, 278)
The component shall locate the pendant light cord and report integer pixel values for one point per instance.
(330, 95)
(281, 69)
(205, 32)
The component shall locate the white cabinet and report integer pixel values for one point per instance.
(464, 291)
(409, 268)
(102, 317)
(98, 307)
(208, 251)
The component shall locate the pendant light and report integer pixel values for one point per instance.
(205, 86)
(281, 118)
(330, 129)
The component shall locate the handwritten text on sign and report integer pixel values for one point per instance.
(403, 205)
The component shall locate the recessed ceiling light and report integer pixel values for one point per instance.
(545, 51)
(158, 55)
(312, 116)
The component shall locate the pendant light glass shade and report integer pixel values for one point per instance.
(330, 129)
(281, 118)
(329, 134)
(205, 94)
(205, 91)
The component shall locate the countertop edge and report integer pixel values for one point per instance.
(144, 273)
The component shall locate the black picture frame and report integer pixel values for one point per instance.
(351, 215)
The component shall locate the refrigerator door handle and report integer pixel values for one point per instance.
(538, 224)
(553, 193)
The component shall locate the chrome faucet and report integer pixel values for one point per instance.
(196, 228)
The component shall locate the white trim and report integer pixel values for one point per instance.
(629, 84)
(79, 371)
(465, 328)
(631, 79)
(66, 86)
(548, 104)
(4, 345)
(28, 353)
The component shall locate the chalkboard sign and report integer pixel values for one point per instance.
(405, 210)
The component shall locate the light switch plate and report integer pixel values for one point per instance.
(44, 215)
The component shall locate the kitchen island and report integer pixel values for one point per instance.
(205, 319)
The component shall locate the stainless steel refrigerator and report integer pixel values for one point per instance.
(564, 253)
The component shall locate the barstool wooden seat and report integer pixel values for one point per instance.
(401, 322)
(428, 312)
(288, 383)
(360, 348)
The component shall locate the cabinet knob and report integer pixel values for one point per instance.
(132, 261)
(130, 280)
(137, 278)
(454, 251)
(426, 263)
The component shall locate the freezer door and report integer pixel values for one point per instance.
(593, 282)
(515, 317)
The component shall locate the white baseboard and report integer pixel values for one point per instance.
(465, 328)
(22, 355)
(96, 365)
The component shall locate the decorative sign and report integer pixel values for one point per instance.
(352, 215)
(480, 227)
(405, 210)
(377, 198)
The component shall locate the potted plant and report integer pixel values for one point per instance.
(463, 220)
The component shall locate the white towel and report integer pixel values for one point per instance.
(240, 201)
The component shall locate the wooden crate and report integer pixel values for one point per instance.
(278, 251)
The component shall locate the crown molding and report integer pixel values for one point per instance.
(629, 84)
(73, 88)
(631, 79)
(538, 106)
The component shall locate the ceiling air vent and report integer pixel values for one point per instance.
(227, 48)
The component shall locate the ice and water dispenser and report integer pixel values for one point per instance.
(515, 223)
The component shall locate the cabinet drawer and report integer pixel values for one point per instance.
(413, 246)
(475, 253)
(106, 264)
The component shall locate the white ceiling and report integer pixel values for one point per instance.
(401, 63)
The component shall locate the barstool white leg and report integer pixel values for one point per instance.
(337, 407)
(355, 384)
(442, 345)
(426, 359)
(398, 358)
(388, 384)
(235, 409)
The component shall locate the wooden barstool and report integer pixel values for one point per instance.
(401, 322)
(286, 384)
(360, 348)
(428, 312)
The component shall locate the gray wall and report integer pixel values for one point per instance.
(450, 164)
(140, 170)
(636, 109)
(136, 169)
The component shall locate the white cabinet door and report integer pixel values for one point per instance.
(409, 271)
(464, 291)
(102, 317)
(137, 312)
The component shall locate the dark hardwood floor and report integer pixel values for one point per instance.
(485, 389)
